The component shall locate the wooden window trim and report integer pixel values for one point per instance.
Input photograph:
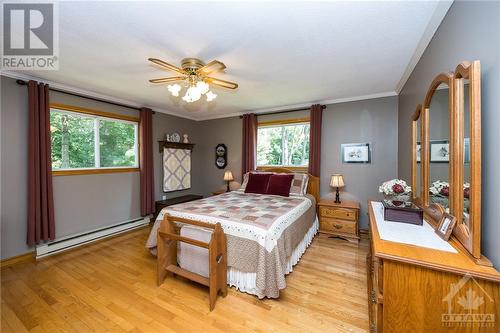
(71, 108)
(96, 171)
(293, 168)
(283, 122)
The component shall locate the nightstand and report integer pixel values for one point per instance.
(159, 205)
(339, 219)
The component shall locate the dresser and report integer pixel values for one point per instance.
(339, 219)
(420, 289)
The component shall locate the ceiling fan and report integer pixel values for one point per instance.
(194, 76)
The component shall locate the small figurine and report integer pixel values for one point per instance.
(186, 139)
(167, 137)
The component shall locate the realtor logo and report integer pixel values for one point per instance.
(466, 304)
(30, 36)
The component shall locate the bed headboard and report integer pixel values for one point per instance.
(312, 186)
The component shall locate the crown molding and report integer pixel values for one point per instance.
(439, 13)
(304, 105)
(83, 92)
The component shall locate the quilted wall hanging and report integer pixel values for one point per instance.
(176, 169)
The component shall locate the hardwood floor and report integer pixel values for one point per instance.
(110, 286)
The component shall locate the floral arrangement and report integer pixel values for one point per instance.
(440, 188)
(394, 187)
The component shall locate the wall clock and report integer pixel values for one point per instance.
(221, 156)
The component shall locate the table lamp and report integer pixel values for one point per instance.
(228, 177)
(337, 181)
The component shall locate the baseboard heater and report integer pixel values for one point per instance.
(73, 241)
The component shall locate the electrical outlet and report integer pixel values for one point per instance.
(163, 197)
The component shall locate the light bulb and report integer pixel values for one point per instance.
(174, 89)
(192, 95)
(211, 96)
(202, 87)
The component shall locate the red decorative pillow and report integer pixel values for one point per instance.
(280, 185)
(257, 183)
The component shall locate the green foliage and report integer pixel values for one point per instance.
(73, 141)
(117, 143)
(283, 145)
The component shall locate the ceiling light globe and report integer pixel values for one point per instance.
(203, 87)
(211, 96)
(174, 89)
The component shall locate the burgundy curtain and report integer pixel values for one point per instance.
(249, 142)
(41, 224)
(315, 140)
(146, 161)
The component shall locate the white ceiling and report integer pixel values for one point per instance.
(281, 54)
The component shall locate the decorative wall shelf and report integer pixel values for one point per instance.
(175, 145)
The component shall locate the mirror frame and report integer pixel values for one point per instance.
(435, 211)
(418, 115)
(470, 237)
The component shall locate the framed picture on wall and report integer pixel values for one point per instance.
(440, 151)
(355, 152)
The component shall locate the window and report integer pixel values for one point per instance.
(86, 141)
(283, 143)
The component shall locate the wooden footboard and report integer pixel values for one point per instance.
(169, 235)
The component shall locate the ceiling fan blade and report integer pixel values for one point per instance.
(212, 66)
(222, 83)
(166, 65)
(167, 79)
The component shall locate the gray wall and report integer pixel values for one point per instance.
(470, 31)
(84, 202)
(229, 132)
(374, 121)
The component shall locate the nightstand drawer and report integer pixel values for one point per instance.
(339, 213)
(337, 226)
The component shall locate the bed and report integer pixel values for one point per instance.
(266, 235)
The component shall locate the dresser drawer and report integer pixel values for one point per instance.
(339, 213)
(337, 226)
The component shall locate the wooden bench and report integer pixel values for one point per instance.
(169, 235)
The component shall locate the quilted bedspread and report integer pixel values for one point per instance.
(262, 232)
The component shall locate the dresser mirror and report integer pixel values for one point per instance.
(439, 147)
(468, 175)
(450, 154)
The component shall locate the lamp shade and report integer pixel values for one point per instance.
(337, 181)
(228, 176)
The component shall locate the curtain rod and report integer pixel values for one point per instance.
(286, 111)
(24, 83)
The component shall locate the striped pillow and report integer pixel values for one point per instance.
(299, 184)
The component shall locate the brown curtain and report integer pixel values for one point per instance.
(315, 140)
(41, 224)
(146, 161)
(249, 142)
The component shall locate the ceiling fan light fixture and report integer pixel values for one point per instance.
(211, 96)
(174, 89)
(203, 87)
(192, 94)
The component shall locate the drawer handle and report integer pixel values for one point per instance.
(337, 226)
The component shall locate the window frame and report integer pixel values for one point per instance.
(97, 116)
(277, 123)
